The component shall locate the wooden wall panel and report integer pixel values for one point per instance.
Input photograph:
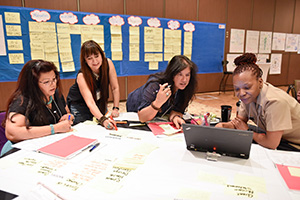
(263, 14)
(53, 4)
(239, 16)
(294, 68)
(179, 9)
(17, 3)
(296, 27)
(212, 11)
(134, 82)
(154, 8)
(6, 90)
(209, 82)
(102, 6)
(284, 13)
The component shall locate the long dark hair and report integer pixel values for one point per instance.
(88, 48)
(176, 65)
(247, 62)
(28, 87)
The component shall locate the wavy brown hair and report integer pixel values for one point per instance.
(28, 87)
(88, 48)
(176, 65)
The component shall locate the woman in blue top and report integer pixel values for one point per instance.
(167, 92)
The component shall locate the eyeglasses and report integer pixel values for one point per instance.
(49, 82)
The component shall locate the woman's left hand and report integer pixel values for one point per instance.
(66, 117)
(115, 113)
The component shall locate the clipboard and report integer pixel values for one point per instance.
(68, 147)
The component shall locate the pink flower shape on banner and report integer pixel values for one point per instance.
(91, 19)
(134, 21)
(68, 18)
(154, 22)
(189, 27)
(173, 24)
(116, 21)
(40, 16)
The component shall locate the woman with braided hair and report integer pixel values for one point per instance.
(270, 108)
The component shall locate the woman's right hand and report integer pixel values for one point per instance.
(109, 124)
(163, 94)
(63, 126)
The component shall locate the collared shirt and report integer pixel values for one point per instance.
(274, 110)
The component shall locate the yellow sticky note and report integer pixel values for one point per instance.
(68, 66)
(16, 58)
(66, 56)
(149, 57)
(212, 178)
(51, 56)
(49, 27)
(63, 28)
(193, 194)
(14, 44)
(294, 171)
(117, 55)
(158, 57)
(12, 17)
(86, 37)
(256, 183)
(115, 30)
(36, 37)
(134, 56)
(98, 29)
(75, 28)
(34, 26)
(153, 65)
(13, 30)
(50, 47)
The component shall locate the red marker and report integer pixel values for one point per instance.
(113, 124)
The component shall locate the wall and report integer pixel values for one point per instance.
(262, 15)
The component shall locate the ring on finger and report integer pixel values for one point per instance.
(108, 125)
(167, 94)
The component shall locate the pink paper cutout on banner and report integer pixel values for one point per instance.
(173, 24)
(189, 27)
(134, 21)
(68, 18)
(40, 16)
(116, 21)
(91, 19)
(154, 22)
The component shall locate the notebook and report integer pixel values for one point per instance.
(228, 142)
(68, 147)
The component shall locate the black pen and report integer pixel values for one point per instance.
(94, 147)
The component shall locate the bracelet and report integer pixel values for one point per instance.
(102, 119)
(155, 108)
(116, 108)
(52, 129)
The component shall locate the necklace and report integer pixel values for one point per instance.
(50, 100)
(59, 112)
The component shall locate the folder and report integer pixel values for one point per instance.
(68, 147)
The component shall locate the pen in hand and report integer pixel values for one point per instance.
(113, 124)
(94, 147)
(69, 118)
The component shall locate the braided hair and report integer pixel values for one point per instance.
(247, 62)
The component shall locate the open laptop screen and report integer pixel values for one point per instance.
(229, 142)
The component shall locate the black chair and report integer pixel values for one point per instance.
(226, 74)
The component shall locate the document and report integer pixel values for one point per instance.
(68, 147)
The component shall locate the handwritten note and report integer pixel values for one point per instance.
(14, 44)
(16, 58)
(12, 17)
(294, 171)
(256, 183)
(240, 191)
(13, 30)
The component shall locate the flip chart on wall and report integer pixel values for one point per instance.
(137, 45)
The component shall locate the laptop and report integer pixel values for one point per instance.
(223, 141)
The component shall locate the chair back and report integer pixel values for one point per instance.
(3, 138)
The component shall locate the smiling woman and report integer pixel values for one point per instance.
(36, 108)
(270, 108)
(167, 92)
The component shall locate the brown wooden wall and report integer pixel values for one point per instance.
(262, 15)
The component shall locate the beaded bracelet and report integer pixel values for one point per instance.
(52, 129)
(102, 119)
(116, 108)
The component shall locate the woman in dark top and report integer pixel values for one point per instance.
(37, 108)
(88, 97)
(167, 92)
